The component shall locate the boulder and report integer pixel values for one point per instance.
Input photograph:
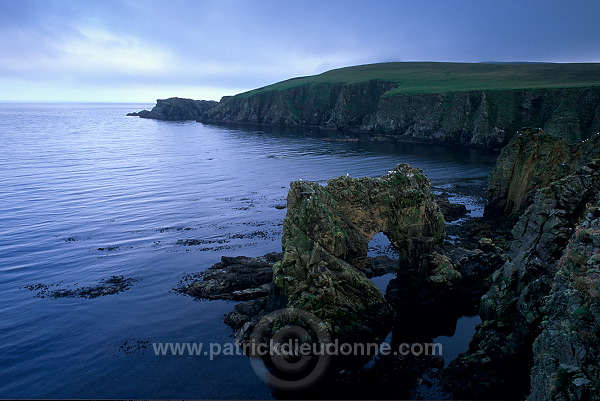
(451, 211)
(239, 278)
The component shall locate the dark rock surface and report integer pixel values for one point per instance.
(567, 352)
(176, 109)
(480, 118)
(453, 289)
(500, 355)
(533, 159)
(239, 278)
(109, 286)
(243, 278)
(451, 211)
(379, 265)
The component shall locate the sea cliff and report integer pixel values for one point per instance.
(534, 159)
(540, 314)
(485, 118)
(475, 104)
(470, 104)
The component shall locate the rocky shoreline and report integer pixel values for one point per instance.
(485, 118)
(373, 110)
(535, 285)
(433, 122)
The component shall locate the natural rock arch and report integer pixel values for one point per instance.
(325, 241)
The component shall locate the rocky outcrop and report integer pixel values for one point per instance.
(242, 278)
(451, 211)
(237, 278)
(325, 241)
(479, 118)
(567, 352)
(533, 159)
(177, 109)
(500, 355)
(247, 313)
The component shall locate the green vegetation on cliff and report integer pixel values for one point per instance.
(471, 104)
(428, 77)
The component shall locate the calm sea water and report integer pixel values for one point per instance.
(87, 193)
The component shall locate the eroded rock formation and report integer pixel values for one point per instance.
(325, 240)
(478, 117)
(540, 312)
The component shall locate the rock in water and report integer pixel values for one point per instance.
(325, 241)
(177, 109)
(239, 278)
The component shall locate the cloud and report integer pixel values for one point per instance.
(102, 51)
(230, 45)
(91, 54)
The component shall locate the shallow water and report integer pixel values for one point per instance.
(87, 193)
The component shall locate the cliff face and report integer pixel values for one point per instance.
(480, 118)
(516, 304)
(333, 105)
(533, 159)
(177, 109)
(567, 352)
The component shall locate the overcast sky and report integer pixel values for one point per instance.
(141, 50)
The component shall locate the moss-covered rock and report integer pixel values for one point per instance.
(325, 241)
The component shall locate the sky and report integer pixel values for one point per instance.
(141, 50)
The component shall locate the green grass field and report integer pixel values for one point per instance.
(427, 77)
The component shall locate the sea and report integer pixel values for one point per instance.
(87, 194)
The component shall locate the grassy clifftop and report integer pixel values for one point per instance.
(427, 77)
(476, 104)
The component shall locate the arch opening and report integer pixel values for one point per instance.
(382, 260)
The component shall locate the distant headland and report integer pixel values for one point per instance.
(476, 104)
